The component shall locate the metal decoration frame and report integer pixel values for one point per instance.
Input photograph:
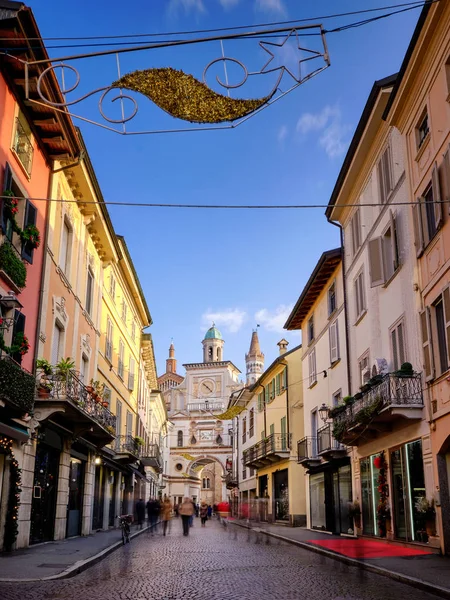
(120, 125)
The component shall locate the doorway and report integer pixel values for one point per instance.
(281, 495)
(75, 504)
(112, 497)
(99, 499)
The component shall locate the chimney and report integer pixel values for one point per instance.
(283, 344)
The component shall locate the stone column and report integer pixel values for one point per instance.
(88, 495)
(62, 497)
(26, 457)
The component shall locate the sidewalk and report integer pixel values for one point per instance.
(65, 558)
(416, 566)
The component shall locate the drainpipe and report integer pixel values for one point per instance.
(344, 281)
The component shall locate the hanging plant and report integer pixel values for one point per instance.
(383, 511)
(20, 344)
(31, 236)
(15, 480)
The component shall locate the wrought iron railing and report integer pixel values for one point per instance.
(23, 146)
(127, 443)
(326, 441)
(69, 387)
(16, 384)
(205, 406)
(230, 480)
(151, 451)
(275, 442)
(306, 448)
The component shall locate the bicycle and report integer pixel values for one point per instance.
(124, 522)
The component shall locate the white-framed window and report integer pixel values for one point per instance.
(427, 213)
(112, 287)
(398, 345)
(311, 329)
(65, 254)
(57, 343)
(132, 364)
(124, 310)
(422, 129)
(385, 175)
(244, 430)
(435, 329)
(107, 395)
(84, 368)
(384, 254)
(118, 417)
(109, 338)
(334, 342)
(360, 295)
(89, 291)
(23, 143)
(251, 428)
(120, 369)
(129, 432)
(332, 300)
(364, 368)
(133, 330)
(312, 367)
(356, 231)
(336, 398)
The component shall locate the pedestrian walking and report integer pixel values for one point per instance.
(153, 509)
(186, 511)
(140, 511)
(191, 520)
(197, 509)
(209, 511)
(176, 506)
(203, 513)
(166, 513)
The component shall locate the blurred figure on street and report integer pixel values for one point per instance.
(191, 520)
(197, 509)
(153, 510)
(186, 511)
(209, 511)
(214, 509)
(176, 507)
(166, 513)
(140, 511)
(203, 513)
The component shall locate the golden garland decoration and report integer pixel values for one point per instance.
(230, 413)
(184, 97)
(187, 456)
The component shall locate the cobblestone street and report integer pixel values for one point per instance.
(214, 564)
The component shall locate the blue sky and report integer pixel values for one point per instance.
(235, 267)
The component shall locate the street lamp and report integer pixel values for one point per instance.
(323, 412)
(9, 302)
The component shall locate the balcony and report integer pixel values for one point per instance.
(75, 408)
(395, 398)
(150, 456)
(327, 447)
(206, 406)
(23, 147)
(272, 449)
(126, 449)
(231, 481)
(307, 452)
(17, 386)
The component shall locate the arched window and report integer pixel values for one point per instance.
(206, 483)
(180, 439)
(210, 352)
(219, 353)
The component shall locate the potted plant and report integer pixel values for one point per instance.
(354, 512)
(96, 389)
(139, 441)
(64, 367)
(365, 387)
(427, 516)
(46, 370)
(406, 370)
(348, 400)
(358, 395)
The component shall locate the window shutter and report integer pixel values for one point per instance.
(19, 327)
(334, 343)
(7, 181)
(283, 379)
(446, 168)
(278, 382)
(394, 239)
(395, 349)
(428, 358)
(446, 296)
(376, 262)
(436, 196)
(30, 219)
(381, 181)
(418, 226)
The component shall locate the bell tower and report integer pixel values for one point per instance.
(171, 362)
(254, 359)
(213, 345)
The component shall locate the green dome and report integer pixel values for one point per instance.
(213, 334)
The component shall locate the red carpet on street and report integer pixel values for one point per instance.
(359, 548)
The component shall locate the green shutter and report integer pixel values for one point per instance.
(278, 384)
(263, 434)
(266, 394)
(283, 433)
(284, 382)
(272, 429)
(260, 402)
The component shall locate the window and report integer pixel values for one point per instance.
(384, 255)
(244, 430)
(66, 244)
(260, 402)
(109, 339)
(124, 310)
(398, 348)
(19, 327)
(427, 214)
(133, 331)
(385, 178)
(356, 231)
(131, 374)
(312, 368)
(121, 359)
(336, 398)
(118, 416)
(364, 369)
(129, 423)
(311, 329)
(57, 343)
(251, 471)
(112, 287)
(244, 473)
(22, 144)
(180, 439)
(89, 291)
(422, 130)
(332, 305)
(251, 428)
(273, 388)
(334, 342)
(29, 220)
(360, 299)
(179, 466)
(435, 327)
(84, 370)
(107, 396)
(266, 394)
(284, 380)
(206, 483)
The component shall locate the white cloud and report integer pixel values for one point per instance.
(271, 6)
(187, 5)
(227, 4)
(275, 319)
(329, 123)
(282, 133)
(231, 319)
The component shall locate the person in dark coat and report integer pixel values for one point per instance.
(209, 511)
(140, 511)
(153, 510)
